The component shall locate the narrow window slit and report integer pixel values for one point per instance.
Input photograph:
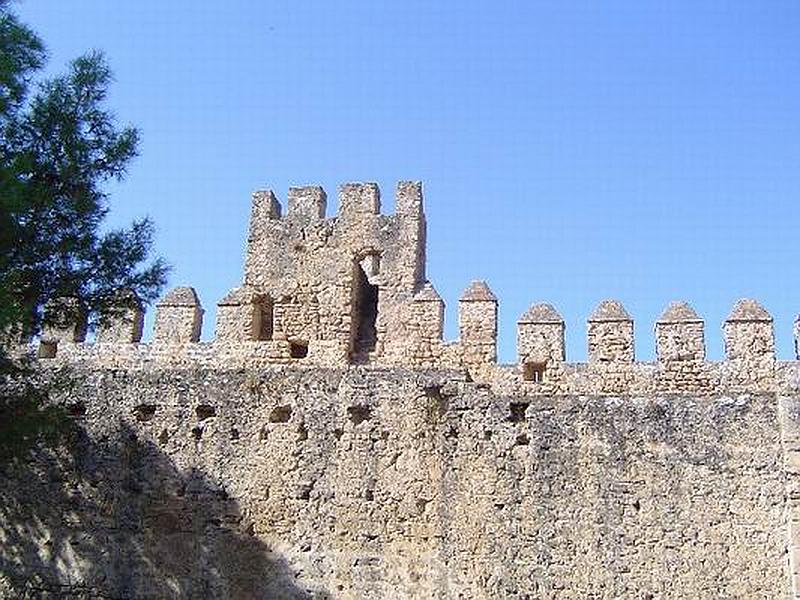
(264, 318)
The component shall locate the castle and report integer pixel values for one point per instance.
(373, 459)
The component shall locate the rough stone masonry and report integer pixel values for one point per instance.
(328, 443)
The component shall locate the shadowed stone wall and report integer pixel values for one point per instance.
(377, 483)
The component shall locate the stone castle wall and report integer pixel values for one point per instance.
(328, 442)
(368, 483)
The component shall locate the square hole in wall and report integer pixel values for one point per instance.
(48, 349)
(534, 371)
(298, 349)
(517, 411)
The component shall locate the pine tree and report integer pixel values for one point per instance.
(59, 145)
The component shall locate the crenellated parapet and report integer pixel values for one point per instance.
(679, 335)
(610, 334)
(350, 289)
(65, 323)
(540, 343)
(477, 325)
(179, 317)
(249, 333)
(123, 322)
(331, 351)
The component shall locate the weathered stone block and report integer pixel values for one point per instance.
(408, 199)
(179, 317)
(244, 315)
(679, 334)
(748, 332)
(540, 335)
(264, 207)
(428, 313)
(359, 199)
(610, 334)
(307, 203)
(477, 324)
(124, 322)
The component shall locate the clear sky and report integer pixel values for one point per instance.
(570, 151)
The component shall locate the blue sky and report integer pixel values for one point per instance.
(570, 151)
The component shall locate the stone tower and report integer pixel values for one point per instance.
(338, 289)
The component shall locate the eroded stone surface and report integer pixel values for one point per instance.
(365, 483)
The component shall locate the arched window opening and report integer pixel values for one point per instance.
(364, 309)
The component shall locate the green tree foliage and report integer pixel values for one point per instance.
(59, 145)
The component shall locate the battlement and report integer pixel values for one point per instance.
(350, 290)
(251, 333)
(356, 200)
